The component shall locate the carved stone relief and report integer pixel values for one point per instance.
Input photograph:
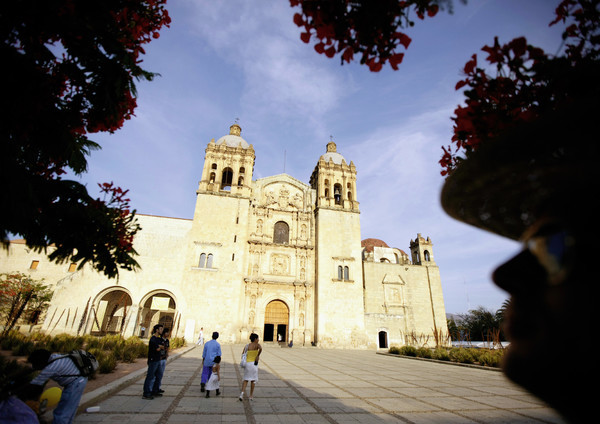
(393, 296)
(280, 264)
(283, 196)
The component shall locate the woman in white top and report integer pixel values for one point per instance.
(253, 351)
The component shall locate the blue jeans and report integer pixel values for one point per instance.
(153, 378)
(163, 365)
(65, 411)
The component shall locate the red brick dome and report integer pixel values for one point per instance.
(372, 242)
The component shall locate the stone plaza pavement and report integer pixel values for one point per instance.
(310, 385)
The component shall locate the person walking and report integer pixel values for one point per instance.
(212, 348)
(253, 351)
(200, 341)
(63, 370)
(215, 378)
(155, 371)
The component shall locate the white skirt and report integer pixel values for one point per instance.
(213, 382)
(250, 372)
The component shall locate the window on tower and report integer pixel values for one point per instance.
(337, 194)
(227, 179)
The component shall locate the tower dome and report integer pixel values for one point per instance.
(233, 139)
(332, 154)
(370, 243)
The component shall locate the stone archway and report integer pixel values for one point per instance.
(157, 308)
(277, 317)
(111, 313)
(383, 340)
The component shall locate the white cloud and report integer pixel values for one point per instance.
(281, 78)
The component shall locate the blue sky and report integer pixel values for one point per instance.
(226, 60)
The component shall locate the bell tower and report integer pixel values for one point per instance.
(335, 181)
(228, 165)
(339, 305)
(421, 250)
(217, 240)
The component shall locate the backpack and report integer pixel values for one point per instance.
(86, 363)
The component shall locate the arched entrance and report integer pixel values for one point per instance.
(383, 342)
(158, 308)
(277, 316)
(111, 313)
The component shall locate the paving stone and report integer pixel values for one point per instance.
(310, 385)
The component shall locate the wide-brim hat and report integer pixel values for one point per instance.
(548, 167)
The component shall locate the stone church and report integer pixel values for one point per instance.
(275, 256)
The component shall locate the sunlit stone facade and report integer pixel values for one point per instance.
(275, 256)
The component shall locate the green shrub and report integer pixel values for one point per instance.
(476, 353)
(394, 349)
(107, 362)
(64, 343)
(118, 349)
(6, 344)
(441, 354)
(129, 353)
(492, 358)
(112, 341)
(424, 352)
(11, 339)
(134, 348)
(95, 351)
(91, 342)
(40, 338)
(464, 356)
(177, 342)
(23, 348)
(408, 351)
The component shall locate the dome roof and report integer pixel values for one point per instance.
(233, 139)
(332, 154)
(369, 243)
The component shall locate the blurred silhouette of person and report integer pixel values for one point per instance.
(535, 184)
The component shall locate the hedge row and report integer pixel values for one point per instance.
(485, 357)
(108, 350)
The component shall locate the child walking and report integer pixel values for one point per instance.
(213, 382)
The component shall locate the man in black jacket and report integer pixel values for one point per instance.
(156, 346)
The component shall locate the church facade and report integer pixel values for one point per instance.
(274, 256)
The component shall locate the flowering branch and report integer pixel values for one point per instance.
(367, 28)
(73, 69)
(527, 84)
